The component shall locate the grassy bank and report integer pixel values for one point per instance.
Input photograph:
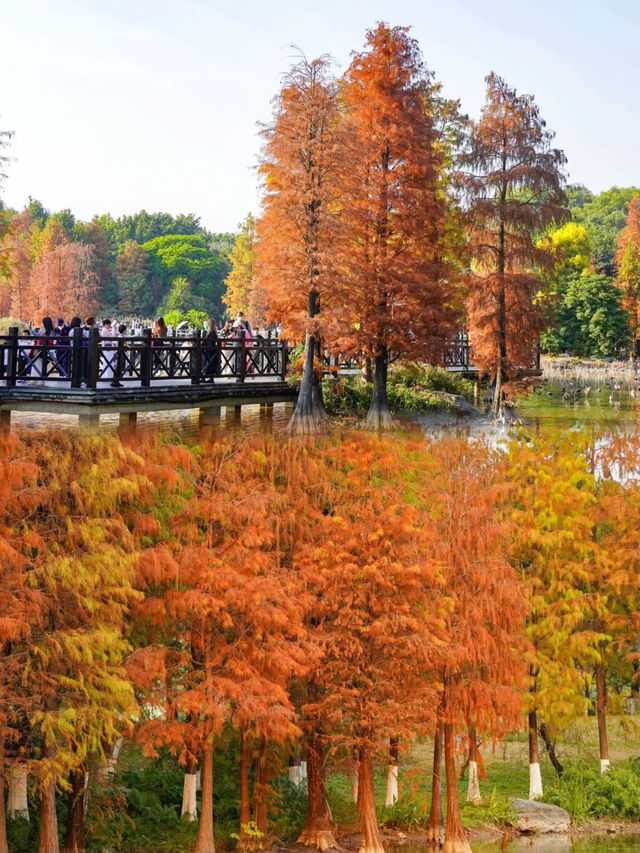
(141, 810)
(412, 389)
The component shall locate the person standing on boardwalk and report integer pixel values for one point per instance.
(62, 353)
(211, 361)
(159, 333)
(37, 354)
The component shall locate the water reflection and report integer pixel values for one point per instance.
(620, 843)
(547, 406)
(186, 422)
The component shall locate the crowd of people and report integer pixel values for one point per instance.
(50, 347)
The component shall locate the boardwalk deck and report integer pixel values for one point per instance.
(91, 375)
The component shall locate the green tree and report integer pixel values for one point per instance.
(590, 319)
(142, 227)
(175, 256)
(578, 195)
(135, 296)
(181, 297)
(39, 213)
(604, 217)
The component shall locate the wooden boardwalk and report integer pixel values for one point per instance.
(92, 375)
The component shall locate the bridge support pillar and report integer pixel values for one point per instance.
(127, 421)
(232, 415)
(5, 420)
(209, 415)
(89, 421)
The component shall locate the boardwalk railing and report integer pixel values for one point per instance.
(93, 361)
(457, 354)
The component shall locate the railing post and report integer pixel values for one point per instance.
(75, 368)
(243, 359)
(196, 361)
(12, 357)
(171, 343)
(119, 360)
(93, 358)
(283, 374)
(146, 359)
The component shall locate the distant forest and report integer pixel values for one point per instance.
(148, 264)
(132, 266)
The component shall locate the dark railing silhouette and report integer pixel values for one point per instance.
(457, 354)
(95, 362)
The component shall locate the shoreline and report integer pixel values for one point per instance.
(398, 839)
(583, 371)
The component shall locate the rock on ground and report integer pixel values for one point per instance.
(532, 816)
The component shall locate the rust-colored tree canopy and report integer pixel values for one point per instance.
(390, 249)
(337, 593)
(511, 180)
(628, 266)
(295, 270)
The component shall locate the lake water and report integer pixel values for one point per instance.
(620, 843)
(603, 408)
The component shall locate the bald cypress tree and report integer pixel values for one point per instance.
(293, 268)
(512, 181)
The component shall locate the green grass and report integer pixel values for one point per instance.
(412, 388)
(507, 768)
(141, 811)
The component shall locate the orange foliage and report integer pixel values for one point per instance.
(512, 181)
(394, 293)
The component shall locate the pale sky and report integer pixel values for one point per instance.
(119, 106)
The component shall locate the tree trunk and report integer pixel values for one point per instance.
(635, 687)
(473, 788)
(435, 830)
(543, 731)
(4, 844)
(371, 841)
(319, 827)
(601, 711)
(260, 798)
(17, 802)
(392, 774)
(535, 779)
(74, 841)
(497, 404)
(379, 415)
(245, 797)
(107, 768)
(295, 770)
(204, 842)
(455, 840)
(354, 781)
(309, 414)
(48, 834)
(189, 809)
(368, 371)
